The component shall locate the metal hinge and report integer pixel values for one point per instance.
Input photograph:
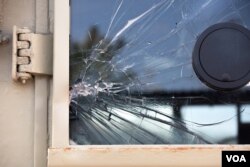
(32, 54)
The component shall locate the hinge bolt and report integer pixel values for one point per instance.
(23, 81)
(3, 38)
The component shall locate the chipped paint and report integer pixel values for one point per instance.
(200, 156)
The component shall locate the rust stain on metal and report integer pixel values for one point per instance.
(67, 149)
(158, 149)
(146, 149)
(100, 150)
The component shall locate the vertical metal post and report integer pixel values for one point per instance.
(41, 93)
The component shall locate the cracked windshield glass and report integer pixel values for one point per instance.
(132, 79)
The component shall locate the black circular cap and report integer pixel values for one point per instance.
(221, 56)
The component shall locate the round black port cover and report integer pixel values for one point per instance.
(221, 56)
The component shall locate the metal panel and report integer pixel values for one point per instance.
(23, 108)
(16, 100)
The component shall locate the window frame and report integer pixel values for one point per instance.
(61, 153)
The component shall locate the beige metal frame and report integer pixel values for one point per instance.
(60, 92)
(62, 154)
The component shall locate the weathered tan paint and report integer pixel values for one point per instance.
(23, 108)
(139, 156)
(41, 92)
(16, 100)
(60, 92)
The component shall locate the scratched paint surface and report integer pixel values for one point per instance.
(131, 74)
